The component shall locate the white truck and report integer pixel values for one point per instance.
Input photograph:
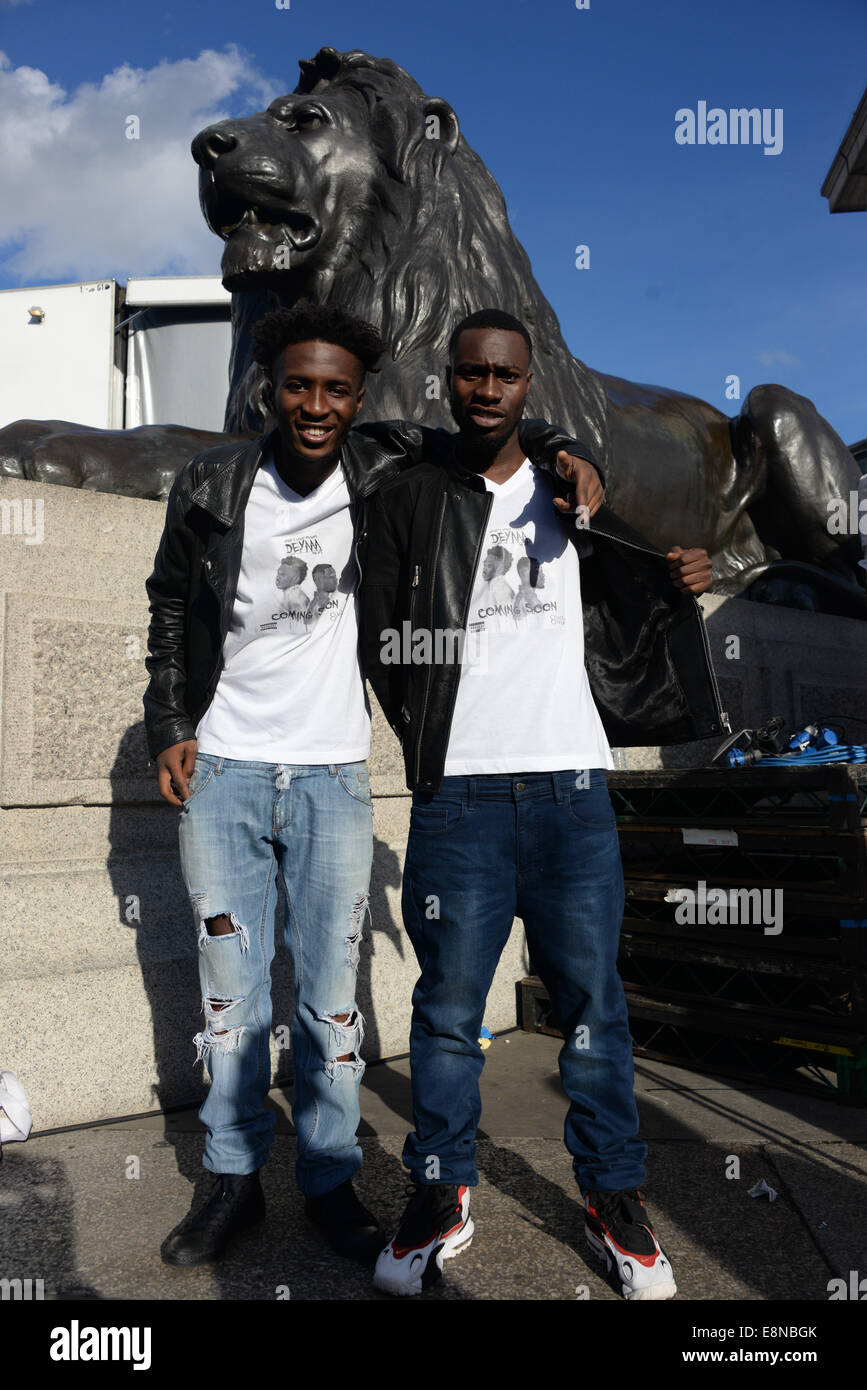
(155, 351)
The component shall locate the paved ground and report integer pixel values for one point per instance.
(70, 1215)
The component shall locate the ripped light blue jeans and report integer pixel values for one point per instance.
(242, 824)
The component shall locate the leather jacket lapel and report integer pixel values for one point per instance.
(225, 490)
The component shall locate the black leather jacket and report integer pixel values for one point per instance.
(646, 649)
(195, 576)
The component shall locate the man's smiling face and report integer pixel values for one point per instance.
(318, 389)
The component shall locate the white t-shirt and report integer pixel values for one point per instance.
(291, 689)
(524, 701)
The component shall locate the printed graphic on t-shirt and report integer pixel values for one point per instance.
(290, 690)
(530, 600)
(497, 606)
(308, 588)
(494, 597)
(524, 702)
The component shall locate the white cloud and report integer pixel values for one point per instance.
(778, 358)
(82, 201)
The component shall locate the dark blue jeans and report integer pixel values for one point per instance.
(543, 847)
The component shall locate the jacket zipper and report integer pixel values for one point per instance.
(208, 564)
(646, 550)
(359, 497)
(463, 626)
(725, 722)
(427, 684)
(216, 672)
(357, 537)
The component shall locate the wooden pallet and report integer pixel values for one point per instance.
(825, 1057)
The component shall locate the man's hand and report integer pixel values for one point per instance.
(690, 569)
(175, 768)
(587, 490)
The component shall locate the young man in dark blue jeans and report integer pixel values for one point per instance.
(506, 752)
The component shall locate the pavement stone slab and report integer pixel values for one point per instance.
(831, 1195)
(74, 1213)
(72, 1217)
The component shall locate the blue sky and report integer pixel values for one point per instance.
(705, 261)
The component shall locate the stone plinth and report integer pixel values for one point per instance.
(98, 939)
(99, 995)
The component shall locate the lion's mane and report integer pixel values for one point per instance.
(437, 246)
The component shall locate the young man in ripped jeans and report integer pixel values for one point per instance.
(258, 721)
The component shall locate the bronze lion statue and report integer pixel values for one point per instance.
(358, 186)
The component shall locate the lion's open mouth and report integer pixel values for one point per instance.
(263, 241)
(299, 229)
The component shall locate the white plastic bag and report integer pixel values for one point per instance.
(15, 1118)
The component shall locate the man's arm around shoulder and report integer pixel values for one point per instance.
(548, 446)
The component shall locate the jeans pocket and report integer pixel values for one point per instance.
(590, 806)
(355, 780)
(202, 774)
(435, 817)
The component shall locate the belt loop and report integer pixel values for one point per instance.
(471, 792)
(219, 768)
(558, 788)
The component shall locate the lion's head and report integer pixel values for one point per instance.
(359, 187)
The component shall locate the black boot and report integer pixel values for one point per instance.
(349, 1228)
(235, 1203)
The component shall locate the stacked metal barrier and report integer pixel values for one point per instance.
(762, 972)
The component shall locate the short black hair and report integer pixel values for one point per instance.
(323, 323)
(491, 318)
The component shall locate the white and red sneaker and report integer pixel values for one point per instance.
(436, 1226)
(619, 1232)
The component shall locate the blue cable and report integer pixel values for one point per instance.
(842, 753)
